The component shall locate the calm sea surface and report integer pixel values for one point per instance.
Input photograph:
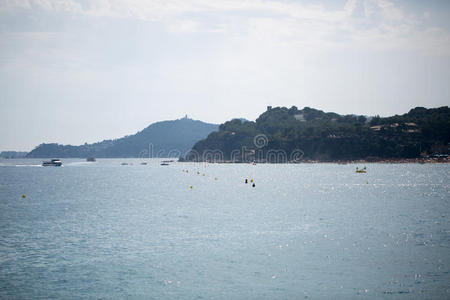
(318, 231)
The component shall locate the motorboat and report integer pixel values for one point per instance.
(164, 163)
(91, 159)
(55, 162)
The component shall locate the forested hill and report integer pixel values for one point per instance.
(329, 136)
(162, 139)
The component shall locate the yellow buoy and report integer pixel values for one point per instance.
(190, 186)
(24, 196)
(251, 180)
(215, 178)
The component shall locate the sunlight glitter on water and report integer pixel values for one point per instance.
(303, 230)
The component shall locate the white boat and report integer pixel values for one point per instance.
(52, 163)
(363, 170)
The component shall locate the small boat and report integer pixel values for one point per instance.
(55, 162)
(91, 159)
(143, 163)
(124, 164)
(164, 164)
(363, 170)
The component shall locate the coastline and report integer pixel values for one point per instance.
(340, 162)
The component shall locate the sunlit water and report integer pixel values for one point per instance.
(103, 230)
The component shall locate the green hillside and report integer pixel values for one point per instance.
(162, 139)
(313, 134)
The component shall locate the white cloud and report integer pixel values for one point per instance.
(15, 4)
(360, 23)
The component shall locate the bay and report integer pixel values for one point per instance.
(319, 231)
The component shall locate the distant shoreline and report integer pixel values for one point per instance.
(361, 161)
(311, 161)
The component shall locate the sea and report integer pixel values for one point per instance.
(103, 230)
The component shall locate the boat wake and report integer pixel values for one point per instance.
(6, 165)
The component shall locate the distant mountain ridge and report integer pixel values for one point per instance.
(161, 139)
(13, 154)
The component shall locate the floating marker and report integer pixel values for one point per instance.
(215, 178)
(198, 172)
(203, 174)
(251, 180)
(253, 185)
(367, 181)
(24, 196)
(246, 180)
(190, 186)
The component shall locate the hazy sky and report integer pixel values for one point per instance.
(75, 71)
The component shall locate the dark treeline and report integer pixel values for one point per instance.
(330, 136)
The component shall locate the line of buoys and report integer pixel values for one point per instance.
(198, 173)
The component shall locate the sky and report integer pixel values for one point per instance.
(77, 71)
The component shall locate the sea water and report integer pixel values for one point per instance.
(318, 231)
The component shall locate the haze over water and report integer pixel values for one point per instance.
(102, 230)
